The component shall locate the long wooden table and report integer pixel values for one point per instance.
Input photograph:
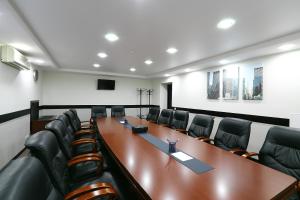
(161, 177)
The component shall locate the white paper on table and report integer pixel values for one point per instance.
(122, 122)
(181, 156)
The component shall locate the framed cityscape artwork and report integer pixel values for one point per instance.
(213, 85)
(252, 77)
(231, 83)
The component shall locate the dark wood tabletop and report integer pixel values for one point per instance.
(161, 177)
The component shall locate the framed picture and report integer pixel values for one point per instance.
(231, 83)
(213, 85)
(252, 77)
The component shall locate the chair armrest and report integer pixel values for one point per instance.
(85, 189)
(181, 130)
(165, 125)
(83, 141)
(105, 192)
(85, 131)
(87, 155)
(238, 151)
(249, 154)
(84, 159)
(153, 121)
(207, 140)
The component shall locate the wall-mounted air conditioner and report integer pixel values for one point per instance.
(14, 58)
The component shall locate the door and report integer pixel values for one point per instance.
(169, 96)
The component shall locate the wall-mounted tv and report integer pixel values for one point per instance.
(104, 84)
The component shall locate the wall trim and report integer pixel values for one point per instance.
(90, 106)
(13, 115)
(253, 118)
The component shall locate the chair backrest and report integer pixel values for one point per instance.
(281, 150)
(201, 126)
(165, 117)
(117, 111)
(233, 133)
(25, 178)
(73, 119)
(153, 114)
(98, 111)
(63, 137)
(43, 145)
(180, 119)
(65, 120)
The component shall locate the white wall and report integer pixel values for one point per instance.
(17, 90)
(281, 92)
(65, 88)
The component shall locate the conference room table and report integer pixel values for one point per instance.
(159, 176)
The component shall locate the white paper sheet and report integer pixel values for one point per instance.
(182, 156)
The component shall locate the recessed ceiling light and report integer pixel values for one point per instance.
(148, 62)
(226, 23)
(96, 65)
(187, 70)
(111, 37)
(171, 50)
(36, 61)
(224, 62)
(286, 47)
(102, 55)
(132, 69)
(167, 75)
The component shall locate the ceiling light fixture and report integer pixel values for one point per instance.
(224, 62)
(111, 37)
(286, 47)
(96, 65)
(187, 70)
(132, 69)
(148, 62)
(226, 23)
(172, 50)
(166, 75)
(102, 55)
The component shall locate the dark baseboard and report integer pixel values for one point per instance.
(253, 118)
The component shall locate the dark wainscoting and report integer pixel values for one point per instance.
(253, 118)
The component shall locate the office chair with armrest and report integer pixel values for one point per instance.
(117, 111)
(69, 145)
(281, 151)
(43, 146)
(180, 121)
(153, 114)
(98, 112)
(232, 135)
(201, 127)
(165, 117)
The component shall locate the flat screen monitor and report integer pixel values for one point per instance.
(104, 84)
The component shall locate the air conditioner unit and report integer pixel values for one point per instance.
(14, 58)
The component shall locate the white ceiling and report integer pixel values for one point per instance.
(68, 34)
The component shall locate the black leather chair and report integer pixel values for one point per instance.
(43, 145)
(98, 111)
(77, 134)
(83, 124)
(117, 111)
(46, 140)
(165, 117)
(67, 142)
(25, 178)
(232, 135)
(76, 124)
(153, 114)
(180, 120)
(201, 126)
(281, 151)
